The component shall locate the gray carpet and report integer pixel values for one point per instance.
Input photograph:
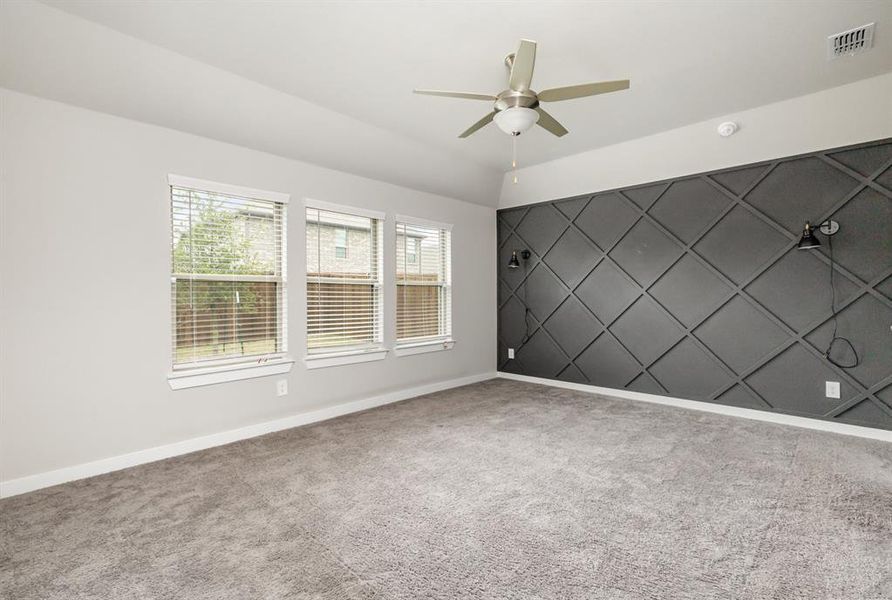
(495, 490)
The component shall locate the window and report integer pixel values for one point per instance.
(343, 290)
(424, 283)
(228, 288)
(341, 243)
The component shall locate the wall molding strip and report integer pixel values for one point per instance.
(14, 487)
(720, 409)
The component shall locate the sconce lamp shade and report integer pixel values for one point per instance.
(513, 263)
(808, 240)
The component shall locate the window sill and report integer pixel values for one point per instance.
(336, 359)
(421, 348)
(189, 378)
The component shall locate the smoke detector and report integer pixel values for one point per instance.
(851, 42)
(727, 129)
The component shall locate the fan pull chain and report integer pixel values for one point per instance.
(514, 158)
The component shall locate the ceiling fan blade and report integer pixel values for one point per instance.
(549, 123)
(484, 121)
(580, 91)
(522, 68)
(465, 95)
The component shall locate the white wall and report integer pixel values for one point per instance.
(84, 302)
(849, 114)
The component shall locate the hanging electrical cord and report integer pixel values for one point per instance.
(526, 325)
(833, 315)
(526, 310)
(514, 263)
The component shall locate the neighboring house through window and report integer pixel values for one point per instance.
(341, 242)
(344, 300)
(424, 282)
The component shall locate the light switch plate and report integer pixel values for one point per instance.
(282, 387)
(510, 352)
(832, 389)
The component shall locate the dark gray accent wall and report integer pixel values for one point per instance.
(694, 288)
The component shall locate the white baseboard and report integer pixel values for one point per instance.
(14, 487)
(734, 411)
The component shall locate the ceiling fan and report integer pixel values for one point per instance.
(517, 109)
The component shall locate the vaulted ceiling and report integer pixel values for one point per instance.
(331, 82)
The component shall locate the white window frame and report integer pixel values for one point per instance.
(447, 341)
(232, 368)
(350, 354)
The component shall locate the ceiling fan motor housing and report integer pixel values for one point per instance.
(511, 99)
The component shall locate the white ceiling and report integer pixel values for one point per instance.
(688, 61)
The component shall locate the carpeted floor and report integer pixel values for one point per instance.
(496, 490)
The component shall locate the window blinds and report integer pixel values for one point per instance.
(227, 282)
(424, 282)
(343, 281)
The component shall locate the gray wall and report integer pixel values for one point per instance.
(85, 329)
(693, 287)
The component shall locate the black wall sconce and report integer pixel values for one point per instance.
(513, 263)
(808, 241)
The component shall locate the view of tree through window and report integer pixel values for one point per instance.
(227, 281)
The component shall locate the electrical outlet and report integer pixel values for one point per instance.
(832, 390)
(510, 352)
(282, 387)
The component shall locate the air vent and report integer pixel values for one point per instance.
(853, 41)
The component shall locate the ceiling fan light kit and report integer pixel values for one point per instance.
(516, 120)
